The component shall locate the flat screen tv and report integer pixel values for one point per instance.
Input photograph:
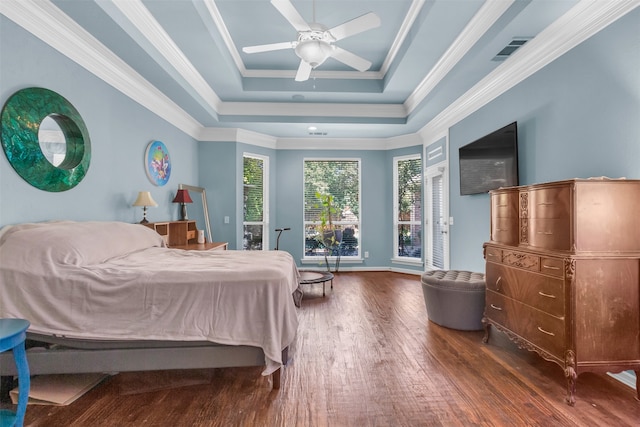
(490, 162)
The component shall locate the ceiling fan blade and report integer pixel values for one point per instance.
(350, 59)
(268, 47)
(362, 23)
(304, 71)
(291, 14)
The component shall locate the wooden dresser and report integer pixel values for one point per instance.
(176, 233)
(183, 235)
(563, 273)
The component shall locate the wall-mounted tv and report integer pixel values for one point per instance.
(490, 162)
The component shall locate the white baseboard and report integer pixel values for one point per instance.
(344, 268)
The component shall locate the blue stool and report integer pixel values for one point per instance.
(13, 333)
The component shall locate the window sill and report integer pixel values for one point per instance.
(320, 260)
(407, 261)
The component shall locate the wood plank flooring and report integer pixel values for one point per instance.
(366, 355)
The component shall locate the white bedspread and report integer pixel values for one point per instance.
(100, 280)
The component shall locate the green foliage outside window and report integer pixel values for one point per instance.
(332, 208)
(252, 179)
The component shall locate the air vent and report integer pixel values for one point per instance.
(508, 50)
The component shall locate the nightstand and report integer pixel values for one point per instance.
(210, 246)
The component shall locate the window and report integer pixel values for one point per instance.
(256, 212)
(437, 224)
(332, 208)
(407, 201)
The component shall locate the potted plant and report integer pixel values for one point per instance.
(328, 236)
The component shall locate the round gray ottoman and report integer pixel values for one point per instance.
(454, 299)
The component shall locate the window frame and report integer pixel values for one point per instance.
(265, 199)
(343, 258)
(396, 208)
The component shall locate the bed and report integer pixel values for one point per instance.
(111, 297)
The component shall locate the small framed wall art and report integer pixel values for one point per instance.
(157, 163)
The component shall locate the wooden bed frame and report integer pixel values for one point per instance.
(58, 355)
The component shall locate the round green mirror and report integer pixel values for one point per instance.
(45, 139)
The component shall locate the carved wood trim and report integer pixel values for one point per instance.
(522, 260)
(522, 343)
(570, 269)
(571, 375)
(524, 218)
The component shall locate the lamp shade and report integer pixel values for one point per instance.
(182, 197)
(144, 199)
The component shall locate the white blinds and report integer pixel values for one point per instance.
(437, 228)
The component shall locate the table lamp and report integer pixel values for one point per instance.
(183, 198)
(144, 199)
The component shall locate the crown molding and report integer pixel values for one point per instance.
(149, 28)
(297, 109)
(237, 135)
(403, 141)
(214, 13)
(320, 143)
(209, 134)
(322, 74)
(585, 19)
(405, 28)
(255, 138)
(488, 14)
(45, 21)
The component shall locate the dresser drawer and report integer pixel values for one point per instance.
(493, 254)
(505, 230)
(550, 233)
(550, 202)
(497, 307)
(537, 327)
(536, 290)
(552, 266)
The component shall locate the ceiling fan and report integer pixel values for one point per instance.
(315, 41)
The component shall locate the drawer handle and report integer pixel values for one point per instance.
(498, 282)
(545, 204)
(545, 232)
(546, 332)
(546, 295)
(550, 267)
(496, 307)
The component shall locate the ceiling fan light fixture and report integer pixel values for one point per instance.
(313, 52)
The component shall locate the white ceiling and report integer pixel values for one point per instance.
(430, 60)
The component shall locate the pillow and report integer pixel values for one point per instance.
(76, 243)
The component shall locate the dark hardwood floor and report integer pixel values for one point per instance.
(365, 355)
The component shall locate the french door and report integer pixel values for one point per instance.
(437, 217)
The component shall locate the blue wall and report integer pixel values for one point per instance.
(119, 128)
(217, 167)
(578, 117)
(375, 213)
